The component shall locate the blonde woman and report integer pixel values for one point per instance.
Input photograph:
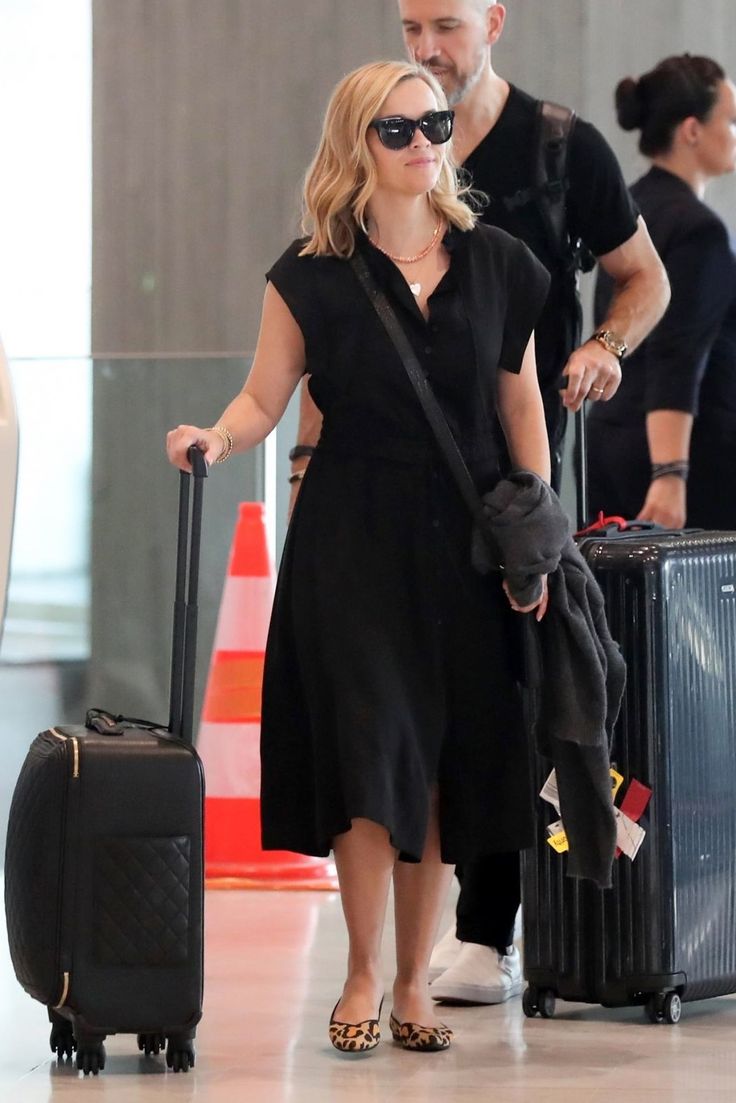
(391, 722)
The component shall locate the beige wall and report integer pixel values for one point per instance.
(205, 116)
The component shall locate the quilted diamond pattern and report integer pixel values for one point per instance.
(141, 892)
(33, 867)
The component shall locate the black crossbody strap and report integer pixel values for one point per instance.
(436, 418)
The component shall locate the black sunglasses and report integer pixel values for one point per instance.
(397, 132)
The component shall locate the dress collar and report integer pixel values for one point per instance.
(391, 278)
(671, 178)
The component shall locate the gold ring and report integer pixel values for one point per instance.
(597, 390)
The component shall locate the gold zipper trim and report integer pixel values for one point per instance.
(65, 992)
(75, 749)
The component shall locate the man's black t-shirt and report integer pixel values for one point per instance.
(600, 212)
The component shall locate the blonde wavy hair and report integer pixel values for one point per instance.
(342, 177)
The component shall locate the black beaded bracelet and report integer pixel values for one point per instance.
(301, 451)
(680, 468)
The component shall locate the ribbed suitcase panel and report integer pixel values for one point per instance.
(637, 936)
(701, 722)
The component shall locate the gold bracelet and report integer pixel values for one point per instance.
(227, 441)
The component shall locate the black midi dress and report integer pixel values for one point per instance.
(391, 667)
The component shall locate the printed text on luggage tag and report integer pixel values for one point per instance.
(557, 836)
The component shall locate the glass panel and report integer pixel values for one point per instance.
(48, 592)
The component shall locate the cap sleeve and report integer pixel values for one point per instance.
(526, 293)
(295, 279)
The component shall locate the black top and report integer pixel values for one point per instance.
(599, 208)
(389, 661)
(689, 362)
(481, 317)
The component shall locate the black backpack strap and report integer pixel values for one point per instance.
(548, 191)
(553, 129)
(549, 184)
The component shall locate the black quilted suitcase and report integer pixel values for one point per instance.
(103, 866)
(665, 933)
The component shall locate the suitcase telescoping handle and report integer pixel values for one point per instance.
(580, 459)
(183, 652)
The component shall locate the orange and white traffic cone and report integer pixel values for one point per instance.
(230, 729)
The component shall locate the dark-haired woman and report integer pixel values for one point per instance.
(664, 447)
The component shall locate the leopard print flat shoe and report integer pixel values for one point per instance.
(427, 1038)
(355, 1037)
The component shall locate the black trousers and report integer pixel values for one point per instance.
(490, 896)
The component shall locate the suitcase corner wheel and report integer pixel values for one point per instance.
(151, 1044)
(180, 1056)
(62, 1040)
(180, 1051)
(664, 1007)
(90, 1051)
(539, 1001)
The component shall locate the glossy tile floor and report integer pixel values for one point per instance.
(274, 969)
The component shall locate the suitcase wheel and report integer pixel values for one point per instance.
(664, 1007)
(180, 1053)
(151, 1044)
(90, 1057)
(62, 1040)
(538, 1001)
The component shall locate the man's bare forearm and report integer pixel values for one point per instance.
(642, 290)
(637, 306)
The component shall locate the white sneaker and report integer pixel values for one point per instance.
(479, 974)
(444, 953)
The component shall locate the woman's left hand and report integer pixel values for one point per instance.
(540, 605)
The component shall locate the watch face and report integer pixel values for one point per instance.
(612, 342)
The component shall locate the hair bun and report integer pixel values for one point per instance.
(629, 106)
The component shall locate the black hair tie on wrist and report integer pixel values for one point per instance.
(680, 468)
(301, 451)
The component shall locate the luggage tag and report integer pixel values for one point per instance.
(633, 807)
(557, 837)
(550, 793)
(629, 836)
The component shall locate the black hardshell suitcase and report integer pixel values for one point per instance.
(104, 860)
(665, 933)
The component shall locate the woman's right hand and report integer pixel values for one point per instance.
(181, 439)
(666, 503)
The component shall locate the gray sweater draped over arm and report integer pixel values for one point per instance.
(528, 535)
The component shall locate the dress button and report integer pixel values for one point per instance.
(435, 523)
(428, 349)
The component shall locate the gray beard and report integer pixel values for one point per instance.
(457, 94)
